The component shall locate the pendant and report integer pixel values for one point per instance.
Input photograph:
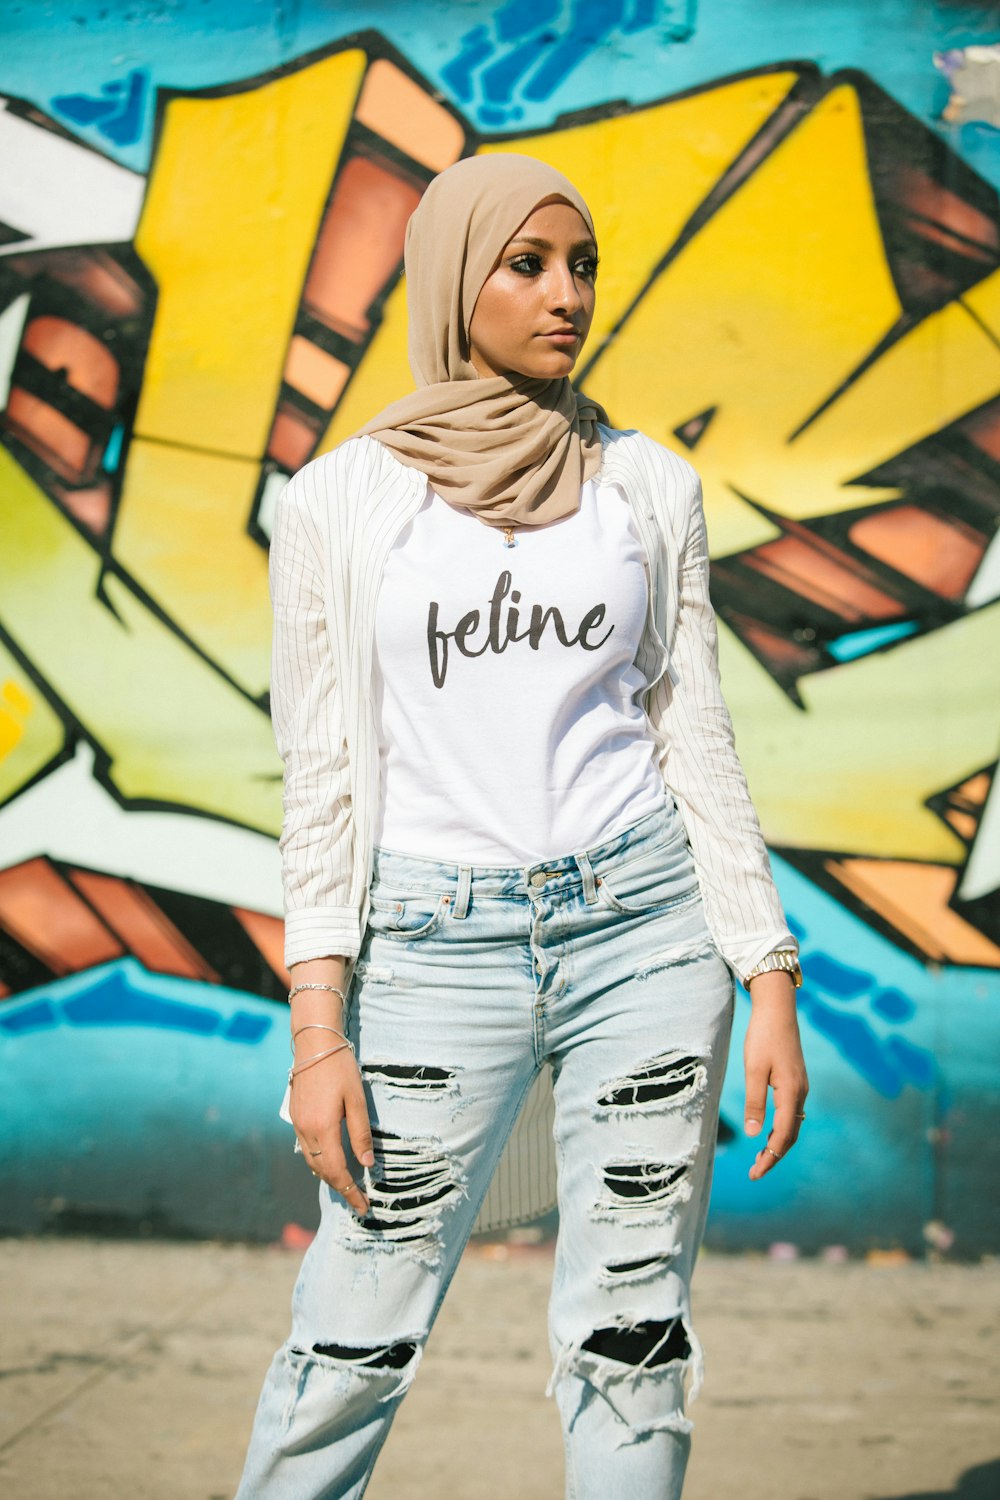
(508, 533)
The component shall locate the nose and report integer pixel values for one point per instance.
(564, 294)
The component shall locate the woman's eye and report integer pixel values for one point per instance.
(531, 265)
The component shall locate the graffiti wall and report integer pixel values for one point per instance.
(202, 211)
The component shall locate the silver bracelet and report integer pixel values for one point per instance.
(317, 1057)
(297, 989)
(314, 1026)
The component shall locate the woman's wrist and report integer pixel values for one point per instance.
(784, 960)
(317, 1007)
(774, 986)
(315, 1036)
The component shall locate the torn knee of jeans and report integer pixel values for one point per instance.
(665, 1082)
(411, 1078)
(638, 1366)
(411, 1184)
(637, 1268)
(383, 1370)
(639, 1187)
(388, 1356)
(644, 1345)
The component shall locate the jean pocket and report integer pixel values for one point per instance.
(406, 915)
(654, 881)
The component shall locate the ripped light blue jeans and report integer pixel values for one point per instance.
(470, 979)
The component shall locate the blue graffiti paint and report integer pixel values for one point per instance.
(594, 21)
(916, 1059)
(527, 24)
(536, 48)
(115, 1005)
(887, 1065)
(475, 47)
(887, 1062)
(125, 994)
(179, 1122)
(862, 642)
(113, 450)
(500, 81)
(221, 42)
(519, 18)
(116, 112)
(836, 977)
(916, 1064)
(892, 1005)
(17, 1021)
(644, 15)
(244, 1027)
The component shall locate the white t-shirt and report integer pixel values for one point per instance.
(507, 699)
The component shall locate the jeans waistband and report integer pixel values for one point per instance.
(414, 872)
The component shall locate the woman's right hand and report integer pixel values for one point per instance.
(329, 1092)
(323, 1096)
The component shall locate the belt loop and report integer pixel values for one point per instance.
(461, 904)
(587, 871)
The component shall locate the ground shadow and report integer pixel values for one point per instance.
(979, 1483)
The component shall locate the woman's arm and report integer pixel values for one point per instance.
(315, 844)
(700, 765)
(743, 909)
(307, 716)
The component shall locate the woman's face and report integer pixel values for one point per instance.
(536, 307)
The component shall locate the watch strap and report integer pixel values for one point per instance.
(779, 958)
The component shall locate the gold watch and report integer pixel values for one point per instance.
(780, 958)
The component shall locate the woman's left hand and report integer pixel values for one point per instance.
(772, 1054)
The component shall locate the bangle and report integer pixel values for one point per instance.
(296, 989)
(314, 1026)
(318, 1057)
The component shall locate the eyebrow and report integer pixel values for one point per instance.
(527, 239)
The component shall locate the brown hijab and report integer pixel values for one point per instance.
(514, 450)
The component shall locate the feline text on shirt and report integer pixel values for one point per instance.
(438, 640)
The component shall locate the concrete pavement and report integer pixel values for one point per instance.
(131, 1371)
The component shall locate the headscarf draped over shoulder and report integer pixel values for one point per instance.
(514, 450)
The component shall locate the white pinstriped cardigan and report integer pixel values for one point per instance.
(333, 527)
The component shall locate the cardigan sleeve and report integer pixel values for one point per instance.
(307, 715)
(701, 767)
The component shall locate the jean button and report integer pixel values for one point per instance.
(538, 878)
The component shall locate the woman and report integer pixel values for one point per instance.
(517, 838)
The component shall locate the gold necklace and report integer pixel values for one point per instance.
(508, 533)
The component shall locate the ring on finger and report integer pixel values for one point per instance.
(775, 1154)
